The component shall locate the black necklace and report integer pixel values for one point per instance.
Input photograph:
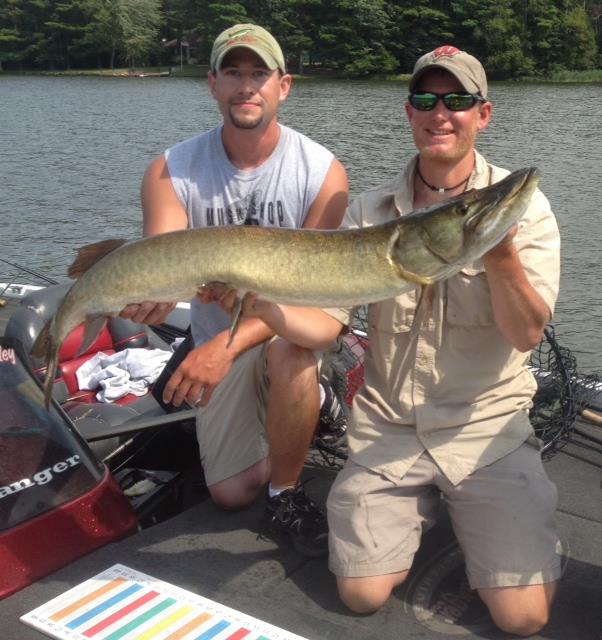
(441, 189)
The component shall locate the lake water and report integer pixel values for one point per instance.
(73, 151)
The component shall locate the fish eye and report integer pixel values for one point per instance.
(463, 209)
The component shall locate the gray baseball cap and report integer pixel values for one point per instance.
(248, 36)
(466, 68)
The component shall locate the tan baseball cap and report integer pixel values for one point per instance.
(248, 36)
(466, 68)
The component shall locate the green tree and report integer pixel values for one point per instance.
(421, 26)
(24, 22)
(493, 32)
(9, 44)
(66, 26)
(542, 20)
(352, 37)
(120, 29)
(217, 16)
(139, 21)
(594, 11)
(579, 40)
(180, 17)
(103, 30)
(11, 34)
(293, 24)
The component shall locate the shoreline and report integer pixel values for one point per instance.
(593, 76)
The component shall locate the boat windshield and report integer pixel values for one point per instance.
(44, 462)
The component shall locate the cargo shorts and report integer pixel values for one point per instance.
(230, 428)
(502, 515)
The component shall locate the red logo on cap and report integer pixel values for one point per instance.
(244, 38)
(445, 50)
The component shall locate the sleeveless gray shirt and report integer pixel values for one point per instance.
(279, 193)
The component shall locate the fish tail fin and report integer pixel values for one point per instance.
(40, 347)
(90, 254)
(45, 347)
(53, 361)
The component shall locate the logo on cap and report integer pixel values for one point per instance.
(446, 50)
(241, 36)
(237, 34)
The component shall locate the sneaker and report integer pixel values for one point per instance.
(294, 514)
(332, 424)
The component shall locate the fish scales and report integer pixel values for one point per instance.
(291, 266)
(283, 264)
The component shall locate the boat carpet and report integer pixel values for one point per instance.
(219, 555)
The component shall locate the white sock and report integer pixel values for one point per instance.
(275, 492)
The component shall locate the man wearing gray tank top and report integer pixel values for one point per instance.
(259, 398)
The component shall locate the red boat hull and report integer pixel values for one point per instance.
(46, 543)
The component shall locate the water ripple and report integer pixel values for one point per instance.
(74, 151)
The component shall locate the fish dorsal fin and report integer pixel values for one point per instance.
(89, 255)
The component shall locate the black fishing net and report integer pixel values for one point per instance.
(555, 404)
(561, 392)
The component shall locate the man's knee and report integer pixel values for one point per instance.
(287, 359)
(242, 489)
(368, 594)
(521, 624)
(522, 611)
(231, 500)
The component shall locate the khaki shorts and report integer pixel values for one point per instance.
(230, 429)
(502, 515)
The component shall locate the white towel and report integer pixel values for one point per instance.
(128, 371)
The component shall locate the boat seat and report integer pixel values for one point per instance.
(37, 309)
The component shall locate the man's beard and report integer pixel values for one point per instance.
(245, 123)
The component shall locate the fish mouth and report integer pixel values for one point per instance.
(483, 223)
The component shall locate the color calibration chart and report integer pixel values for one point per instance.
(124, 604)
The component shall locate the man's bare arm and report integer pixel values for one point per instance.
(162, 212)
(520, 312)
(328, 209)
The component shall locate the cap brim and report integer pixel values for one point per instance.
(270, 61)
(467, 84)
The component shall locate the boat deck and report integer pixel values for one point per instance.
(222, 556)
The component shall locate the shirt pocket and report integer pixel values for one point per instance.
(469, 298)
(395, 315)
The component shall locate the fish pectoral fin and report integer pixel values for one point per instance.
(89, 255)
(236, 311)
(93, 325)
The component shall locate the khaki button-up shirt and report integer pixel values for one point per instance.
(439, 375)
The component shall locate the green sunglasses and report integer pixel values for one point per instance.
(426, 101)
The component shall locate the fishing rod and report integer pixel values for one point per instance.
(31, 272)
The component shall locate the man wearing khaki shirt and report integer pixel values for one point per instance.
(444, 407)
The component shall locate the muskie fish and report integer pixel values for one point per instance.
(291, 266)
